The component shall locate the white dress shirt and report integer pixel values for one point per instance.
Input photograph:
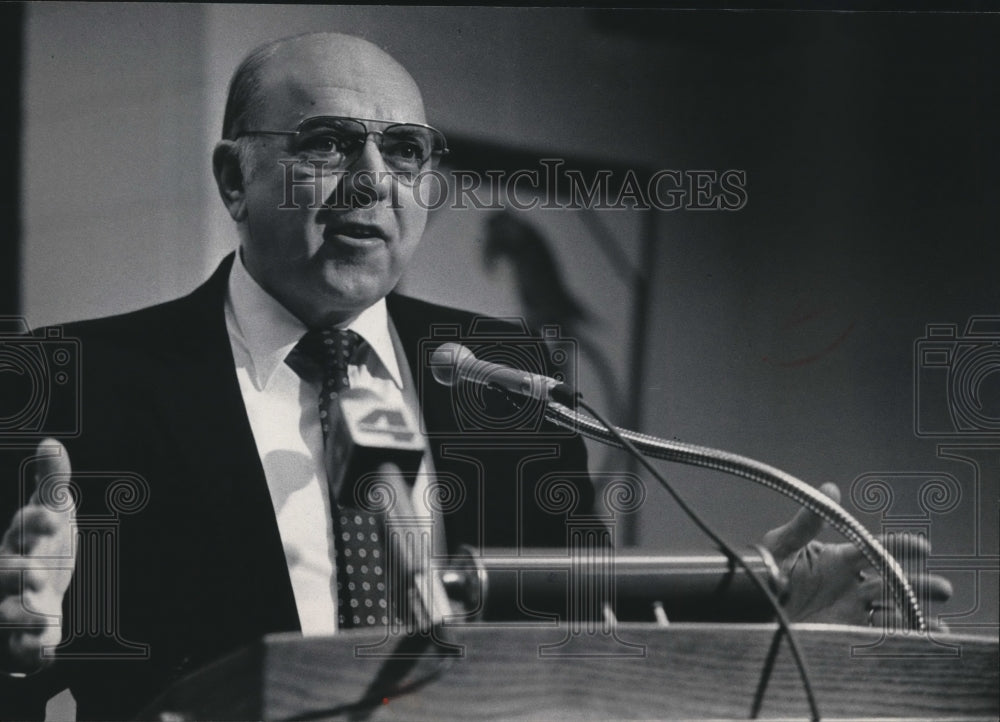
(284, 417)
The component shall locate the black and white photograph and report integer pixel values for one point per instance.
(462, 362)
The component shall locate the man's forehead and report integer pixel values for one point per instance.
(338, 77)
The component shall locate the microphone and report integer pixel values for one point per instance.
(453, 363)
(368, 432)
(376, 438)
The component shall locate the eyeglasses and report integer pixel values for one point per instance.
(334, 142)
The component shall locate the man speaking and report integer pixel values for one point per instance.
(206, 422)
(215, 404)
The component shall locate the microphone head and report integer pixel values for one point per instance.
(446, 360)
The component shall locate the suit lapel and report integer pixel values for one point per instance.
(415, 323)
(415, 332)
(201, 407)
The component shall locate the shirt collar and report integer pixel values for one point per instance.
(269, 331)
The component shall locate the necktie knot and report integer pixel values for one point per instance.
(325, 354)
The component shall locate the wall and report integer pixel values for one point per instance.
(114, 181)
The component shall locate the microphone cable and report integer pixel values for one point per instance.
(783, 623)
(391, 682)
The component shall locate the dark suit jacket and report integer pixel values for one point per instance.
(195, 556)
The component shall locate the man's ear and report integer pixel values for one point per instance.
(229, 178)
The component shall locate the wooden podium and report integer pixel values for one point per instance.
(636, 671)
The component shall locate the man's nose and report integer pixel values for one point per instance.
(368, 174)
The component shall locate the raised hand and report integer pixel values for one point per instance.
(37, 557)
(834, 583)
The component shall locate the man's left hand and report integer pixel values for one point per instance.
(834, 583)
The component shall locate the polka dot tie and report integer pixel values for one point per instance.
(361, 578)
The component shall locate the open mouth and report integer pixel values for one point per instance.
(356, 231)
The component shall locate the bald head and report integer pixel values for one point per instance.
(294, 68)
(345, 242)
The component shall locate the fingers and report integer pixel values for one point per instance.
(36, 564)
(931, 587)
(883, 611)
(30, 614)
(938, 588)
(872, 592)
(22, 648)
(51, 466)
(907, 549)
(831, 490)
(911, 552)
(28, 528)
(803, 528)
(883, 617)
(43, 528)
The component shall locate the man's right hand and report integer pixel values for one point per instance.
(37, 557)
